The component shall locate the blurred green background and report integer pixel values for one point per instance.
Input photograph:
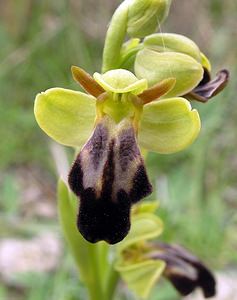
(197, 188)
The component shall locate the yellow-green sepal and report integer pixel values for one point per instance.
(141, 277)
(155, 67)
(168, 125)
(66, 116)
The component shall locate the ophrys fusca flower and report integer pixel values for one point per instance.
(118, 114)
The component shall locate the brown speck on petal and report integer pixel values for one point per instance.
(208, 88)
(108, 176)
(185, 271)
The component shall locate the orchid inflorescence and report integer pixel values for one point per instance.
(141, 100)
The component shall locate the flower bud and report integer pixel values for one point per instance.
(144, 16)
(184, 270)
(169, 42)
(205, 62)
(209, 88)
(155, 66)
(139, 273)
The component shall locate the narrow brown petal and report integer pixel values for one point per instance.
(185, 271)
(86, 81)
(208, 89)
(158, 90)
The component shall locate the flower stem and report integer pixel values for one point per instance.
(112, 281)
(115, 37)
(95, 286)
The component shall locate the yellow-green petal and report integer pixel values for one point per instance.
(142, 276)
(66, 116)
(168, 125)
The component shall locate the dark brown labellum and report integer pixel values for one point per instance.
(108, 176)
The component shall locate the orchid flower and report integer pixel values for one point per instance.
(117, 115)
(141, 260)
(140, 103)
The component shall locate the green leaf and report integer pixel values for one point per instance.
(155, 67)
(66, 116)
(168, 125)
(144, 226)
(141, 277)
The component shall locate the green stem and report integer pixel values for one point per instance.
(112, 281)
(95, 285)
(115, 37)
(104, 265)
(105, 278)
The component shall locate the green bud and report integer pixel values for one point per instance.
(155, 66)
(144, 16)
(145, 207)
(139, 272)
(145, 226)
(169, 42)
(141, 276)
(205, 62)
